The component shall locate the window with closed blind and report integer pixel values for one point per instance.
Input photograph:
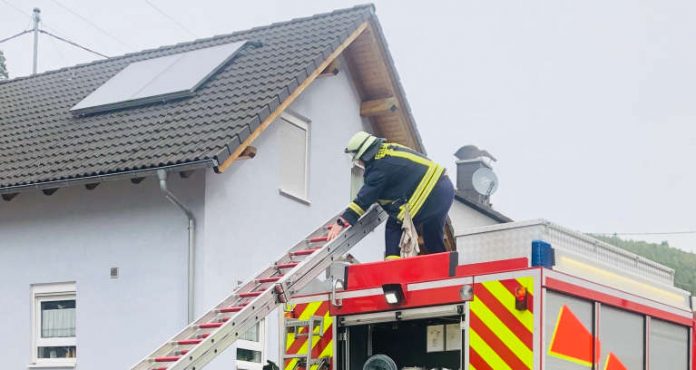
(294, 157)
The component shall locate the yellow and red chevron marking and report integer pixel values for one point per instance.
(500, 336)
(322, 346)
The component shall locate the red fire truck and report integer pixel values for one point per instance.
(525, 295)
(528, 295)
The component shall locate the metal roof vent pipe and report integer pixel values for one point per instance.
(162, 175)
(475, 178)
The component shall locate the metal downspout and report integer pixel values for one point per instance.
(162, 175)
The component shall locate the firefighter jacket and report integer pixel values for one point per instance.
(398, 178)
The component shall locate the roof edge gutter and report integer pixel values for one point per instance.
(204, 163)
(162, 176)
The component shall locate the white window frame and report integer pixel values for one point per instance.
(259, 346)
(43, 293)
(303, 124)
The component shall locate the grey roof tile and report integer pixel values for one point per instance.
(42, 141)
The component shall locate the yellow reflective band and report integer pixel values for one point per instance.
(356, 208)
(426, 184)
(438, 170)
(486, 352)
(416, 193)
(502, 331)
(503, 295)
(425, 187)
(391, 258)
(410, 156)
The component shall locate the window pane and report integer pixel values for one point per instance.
(293, 159)
(622, 334)
(58, 319)
(57, 352)
(248, 355)
(251, 334)
(668, 345)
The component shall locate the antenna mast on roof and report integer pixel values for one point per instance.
(37, 18)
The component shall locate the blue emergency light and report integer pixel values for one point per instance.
(543, 254)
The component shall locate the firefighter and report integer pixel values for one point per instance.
(401, 180)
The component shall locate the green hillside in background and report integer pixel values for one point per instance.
(683, 263)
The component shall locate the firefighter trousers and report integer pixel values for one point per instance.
(430, 221)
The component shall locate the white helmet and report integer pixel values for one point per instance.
(359, 143)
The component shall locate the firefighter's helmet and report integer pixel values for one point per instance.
(359, 144)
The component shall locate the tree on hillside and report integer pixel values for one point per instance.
(3, 70)
(683, 263)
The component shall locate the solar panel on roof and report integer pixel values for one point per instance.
(158, 79)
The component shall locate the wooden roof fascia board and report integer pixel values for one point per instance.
(290, 99)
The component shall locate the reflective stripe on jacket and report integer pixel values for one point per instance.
(397, 177)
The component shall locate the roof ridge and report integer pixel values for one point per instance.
(355, 8)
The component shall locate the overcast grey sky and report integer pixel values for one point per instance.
(589, 106)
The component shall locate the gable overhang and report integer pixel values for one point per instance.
(374, 75)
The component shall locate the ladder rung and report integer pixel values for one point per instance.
(271, 279)
(295, 355)
(230, 309)
(304, 252)
(186, 342)
(219, 325)
(167, 359)
(210, 325)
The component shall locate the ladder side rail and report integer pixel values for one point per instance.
(225, 336)
(340, 246)
(231, 300)
(192, 328)
(265, 303)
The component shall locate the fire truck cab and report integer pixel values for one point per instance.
(525, 295)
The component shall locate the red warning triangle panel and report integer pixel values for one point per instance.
(613, 363)
(572, 341)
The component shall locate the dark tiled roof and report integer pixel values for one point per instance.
(486, 210)
(42, 141)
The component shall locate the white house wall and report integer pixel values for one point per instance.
(77, 235)
(249, 223)
(463, 217)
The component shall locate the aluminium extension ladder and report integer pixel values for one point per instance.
(201, 341)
